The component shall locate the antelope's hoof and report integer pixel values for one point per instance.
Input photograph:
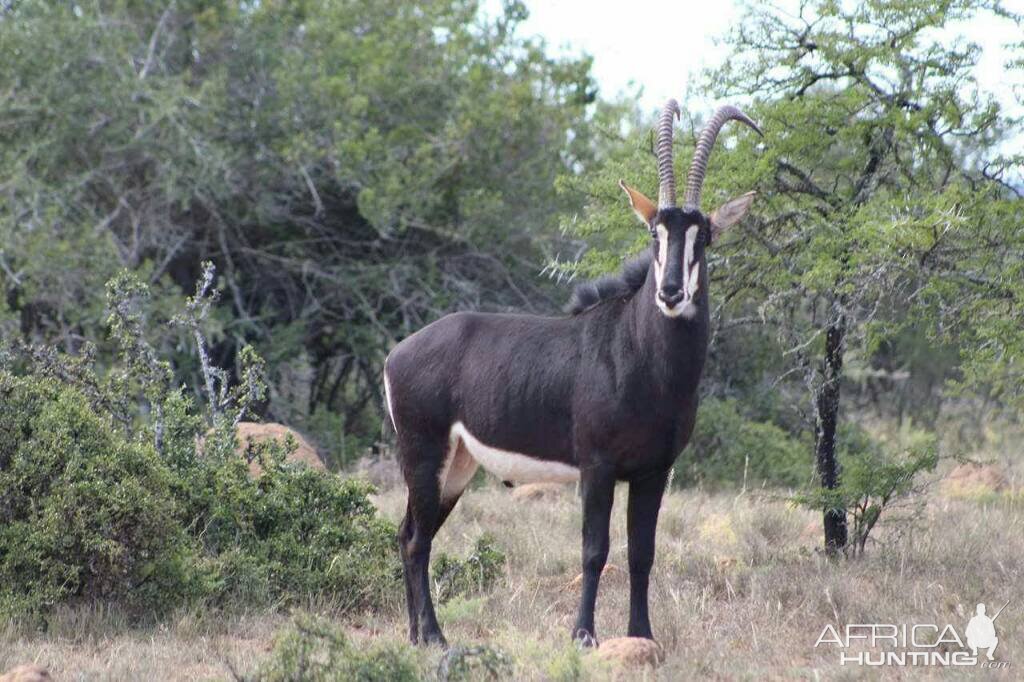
(584, 640)
(434, 639)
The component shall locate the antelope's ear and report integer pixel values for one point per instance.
(729, 213)
(644, 208)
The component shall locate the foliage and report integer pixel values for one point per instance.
(354, 169)
(141, 369)
(339, 448)
(289, 533)
(474, 663)
(477, 573)
(314, 651)
(883, 202)
(566, 666)
(92, 511)
(225, 404)
(878, 478)
(878, 175)
(728, 449)
(86, 513)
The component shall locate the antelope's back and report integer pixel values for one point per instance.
(507, 378)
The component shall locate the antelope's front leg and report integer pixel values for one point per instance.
(642, 521)
(598, 488)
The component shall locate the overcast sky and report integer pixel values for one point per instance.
(632, 42)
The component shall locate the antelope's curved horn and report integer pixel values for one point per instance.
(699, 165)
(666, 175)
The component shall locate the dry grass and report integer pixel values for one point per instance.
(739, 592)
(87, 644)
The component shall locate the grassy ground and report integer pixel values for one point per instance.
(739, 592)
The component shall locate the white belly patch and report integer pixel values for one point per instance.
(513, 466)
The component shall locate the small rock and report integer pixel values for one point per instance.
(305, 453)
(26, 673)
(631, 651)
(538, 491)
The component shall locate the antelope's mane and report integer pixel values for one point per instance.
(622, 285)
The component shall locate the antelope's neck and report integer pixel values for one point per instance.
(675, 348)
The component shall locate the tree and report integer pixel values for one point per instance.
(868, 170)
(879, 201)
(354, 169)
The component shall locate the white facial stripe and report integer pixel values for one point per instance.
(659, 265)
(691, 237)
(693, 281)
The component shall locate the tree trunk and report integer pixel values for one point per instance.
(827, 419)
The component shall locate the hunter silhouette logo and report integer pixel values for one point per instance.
(927, 644)
(981, 631)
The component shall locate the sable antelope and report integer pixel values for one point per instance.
(606, 394)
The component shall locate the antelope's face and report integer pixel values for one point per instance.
(679, 239)
(681, 234)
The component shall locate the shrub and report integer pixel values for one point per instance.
(726, 447)
(89, 514)
(85, 513)
(290, 532)
(340, 447)
(121, 489)
(475, 574)
(876, 478)
(314, 651)
(474, 663)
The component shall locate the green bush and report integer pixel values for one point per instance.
(291, 531)
(122, 490)
(878, 478)
(313, 651)
(474, 663)
(465, 577)
(87, 514)
(725, 446)
(84, 513)
(339, 447)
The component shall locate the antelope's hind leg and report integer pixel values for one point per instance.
(436, 476)
(405, 534)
